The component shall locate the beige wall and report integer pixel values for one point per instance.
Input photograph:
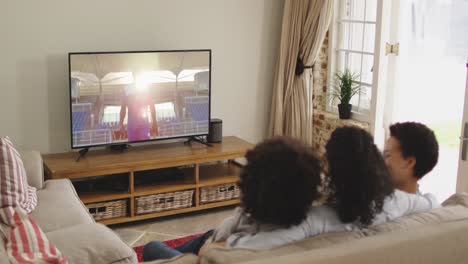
(35, 37)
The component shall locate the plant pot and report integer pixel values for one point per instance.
(345, 111)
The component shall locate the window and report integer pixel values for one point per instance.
(352, 46)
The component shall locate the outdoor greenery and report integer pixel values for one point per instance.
(345, 87)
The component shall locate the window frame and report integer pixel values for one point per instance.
(333, 49)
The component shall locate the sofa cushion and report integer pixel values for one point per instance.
(457, 199)
(14, 188)
(454, 209)
(223, 255)
(59, 206)
(32, 161)
(25, 241)
(446, 243)
(92, 243)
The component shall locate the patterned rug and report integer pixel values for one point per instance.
(172, 243)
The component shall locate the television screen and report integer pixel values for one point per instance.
(126, 97)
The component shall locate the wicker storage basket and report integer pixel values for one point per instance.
(163, 202)
(217, 193)
(107, 210)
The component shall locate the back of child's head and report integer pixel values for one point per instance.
(279, 182)
(359, 180)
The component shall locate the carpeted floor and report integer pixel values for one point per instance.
(171, 243)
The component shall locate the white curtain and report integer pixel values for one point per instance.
(305, 24)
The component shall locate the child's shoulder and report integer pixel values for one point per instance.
(325, 211)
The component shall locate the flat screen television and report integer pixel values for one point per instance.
(138, 96)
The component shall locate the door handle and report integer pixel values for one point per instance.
(464, 140)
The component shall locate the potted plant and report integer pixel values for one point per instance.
(344, 89)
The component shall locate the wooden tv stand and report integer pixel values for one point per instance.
(203, 166)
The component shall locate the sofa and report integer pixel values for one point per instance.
(66, 222)
(436, 236)
(68, 225)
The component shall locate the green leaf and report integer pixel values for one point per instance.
(345, 86)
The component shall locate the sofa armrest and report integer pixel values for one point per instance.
(32, 161)
(92, 243)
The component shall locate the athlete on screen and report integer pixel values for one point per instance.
(138, 106)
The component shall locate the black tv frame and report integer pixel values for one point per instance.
(140, 51)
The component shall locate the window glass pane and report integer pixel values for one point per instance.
(343, 35)
(361, 102)
(369, 40)
(367, 69)
(371, 10)
(352, 61)
(352, 9)
(352, 36)
(355, 102)
(340, 60)
(366, 93)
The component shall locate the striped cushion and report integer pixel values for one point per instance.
(25, 242)
(14, 188)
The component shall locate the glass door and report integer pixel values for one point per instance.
(426, 80)
(462, 181)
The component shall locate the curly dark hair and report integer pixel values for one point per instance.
(279, 182)
(418, 141)
(359, 180)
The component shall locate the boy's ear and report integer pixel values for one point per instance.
(410, 162)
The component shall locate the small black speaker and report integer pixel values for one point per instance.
(215, 134)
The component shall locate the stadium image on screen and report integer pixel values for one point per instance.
(126, 97)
